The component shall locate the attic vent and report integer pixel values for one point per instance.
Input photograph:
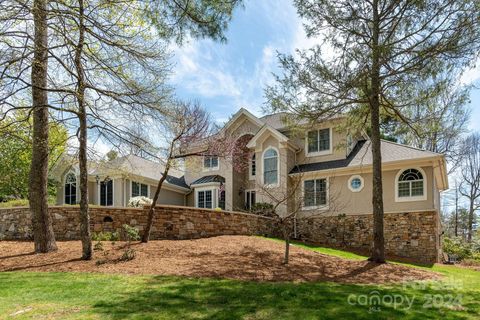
(107, 219)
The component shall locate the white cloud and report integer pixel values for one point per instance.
(471, 75)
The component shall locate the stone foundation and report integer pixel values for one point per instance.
(170, 222)
(413, 235)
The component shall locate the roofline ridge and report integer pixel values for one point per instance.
(411, 147)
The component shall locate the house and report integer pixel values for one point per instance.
(319, 172)
(113, 183)
(331, 171)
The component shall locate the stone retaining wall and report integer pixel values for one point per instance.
(414, 235)
(170, 222)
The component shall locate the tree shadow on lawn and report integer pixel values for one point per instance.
(193, 298)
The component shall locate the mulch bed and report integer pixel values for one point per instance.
(233, 257)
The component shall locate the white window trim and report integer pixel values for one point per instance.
(252, 177)
(356, 176)
(205, 169)
(76, 186)
(319, 153)
(320, 208)
(414, 198)
(214, 196)
(131, 188)
(113, 193)
(263, 168)
(250, 190)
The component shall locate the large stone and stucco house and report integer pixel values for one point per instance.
(330, 171)
(335, 171)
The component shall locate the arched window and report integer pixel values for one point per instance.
(70, 189)
(410, 184)
(270, 167)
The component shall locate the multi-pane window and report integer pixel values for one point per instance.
(410, 184)
(205, 199)
(139, 189)
(250, 199)
(315, 192)
(70, 189)
(253, 166)
(318, 140)
(210, 162)
(106, 192)
(270, 167)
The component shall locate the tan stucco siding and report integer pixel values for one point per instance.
(343, 201)
(118, 192)
(168, 197)
(92, 192)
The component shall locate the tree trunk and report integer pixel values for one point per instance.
(151, 211)
(378, 254)
(456, 210)
(82, 153)
(470, 220)
(286, 237)
(43, 235)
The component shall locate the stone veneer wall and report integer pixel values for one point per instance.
(414, 235)
(170, 222)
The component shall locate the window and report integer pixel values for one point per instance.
(250, 199)
(318, 141)
(315, 193)
(106, 192)
(411, 185)
(205, 199)
(221, 200)
(70, 189)
(139, 189)
(210, 162)
(355, 183)
(253, 166)
(270, 167)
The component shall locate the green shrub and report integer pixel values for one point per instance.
(262, 208)
(14, 203)
(457, 247)
(105, 236)
(130, 233)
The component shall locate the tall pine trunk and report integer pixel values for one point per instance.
(378, 254)
(43, 235)
(82, 153)
(471, 213)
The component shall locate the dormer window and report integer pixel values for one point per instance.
(210, 162)
(319, 142)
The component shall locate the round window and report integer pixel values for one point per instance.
(355, 183)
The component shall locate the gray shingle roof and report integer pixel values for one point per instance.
(142, 167)
(208, 179)
(361, 155)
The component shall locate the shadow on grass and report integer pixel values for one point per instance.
(182, 298)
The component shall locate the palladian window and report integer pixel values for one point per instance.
(410, 184)
(70, 189)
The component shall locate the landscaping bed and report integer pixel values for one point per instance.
(233, 257)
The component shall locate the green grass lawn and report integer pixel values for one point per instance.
(97, 296)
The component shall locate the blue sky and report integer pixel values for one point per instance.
(226, 77)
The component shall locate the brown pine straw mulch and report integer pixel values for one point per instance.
(233, 257)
